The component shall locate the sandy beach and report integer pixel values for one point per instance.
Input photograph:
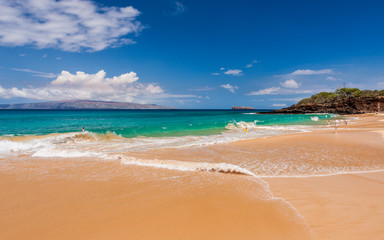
(191, 120)
(345, 206)
(322, 197)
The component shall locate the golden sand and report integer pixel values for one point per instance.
(88, 199)
(61, 201)
(346, 206)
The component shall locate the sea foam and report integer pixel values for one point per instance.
(186, 166)
(80, 144)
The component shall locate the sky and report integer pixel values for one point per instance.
(191, 54)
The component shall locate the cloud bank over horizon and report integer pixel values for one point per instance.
(71, 25)
(67, 86)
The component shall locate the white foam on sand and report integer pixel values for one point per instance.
(185, 166)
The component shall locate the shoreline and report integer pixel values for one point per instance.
(340, 206)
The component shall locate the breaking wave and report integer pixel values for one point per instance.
(76, 144)
(187, 166)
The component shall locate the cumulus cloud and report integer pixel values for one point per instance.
(312, 72)
(68, 86)
(290, 84)
(69, 25)
(266, 91)
(234, 72)
(230, 88)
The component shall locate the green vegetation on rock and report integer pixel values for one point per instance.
(340, 95)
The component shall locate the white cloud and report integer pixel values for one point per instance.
(69, 25)
(67, 86)
(278, 90)
(279, 105)
(179, 8)
(153, 89)
(266, 91)
(290, 84)
(36, 73)
(380, 84)
(166, 95)
(222, 69)
(234, 72)
(230, 88)
(312, 72)
(251, 64)
(215, 74)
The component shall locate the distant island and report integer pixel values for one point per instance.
(242, 108)
(81, 104)
(343, 101)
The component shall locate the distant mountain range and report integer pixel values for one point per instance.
(81, 104)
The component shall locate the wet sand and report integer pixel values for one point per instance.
(88, 199)
(347, 206)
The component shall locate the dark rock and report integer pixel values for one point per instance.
(351, 105)
(242, 108)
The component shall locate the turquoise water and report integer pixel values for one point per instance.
(135, 137)
(135, 123)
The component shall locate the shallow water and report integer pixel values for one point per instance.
(135, 123)
(57, 133)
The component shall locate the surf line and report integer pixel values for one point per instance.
(184, 166)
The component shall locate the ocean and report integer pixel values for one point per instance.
(35, 131)
(144, 123)
(129, 136)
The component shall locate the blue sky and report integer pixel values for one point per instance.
(188, 53)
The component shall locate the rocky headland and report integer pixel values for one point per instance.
(342, 101)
